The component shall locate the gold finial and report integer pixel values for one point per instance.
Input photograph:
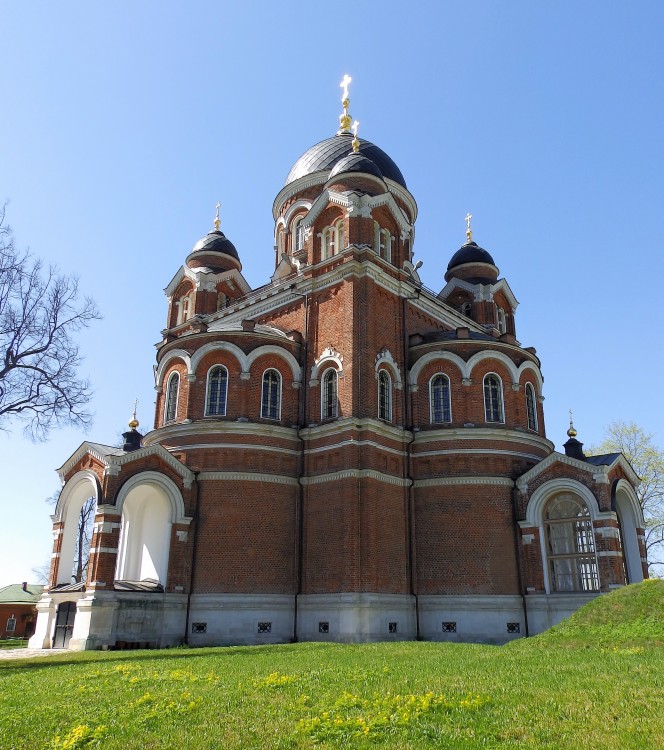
(571, 432)
(344, 118)
(469, 231)
(133, 422)
(356, 140)
(217, 222)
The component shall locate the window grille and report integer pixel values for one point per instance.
(513, 627)
(530, 407)
(384, 396)
(392, 627)
(329, 403)
(11, 624)
(217, 390)
(271, 396)
(172, 397)
(440, 399)
(323, 627)
(199, 627)
(449, 627)
(570, 545)
(493, 399)
(264, 627)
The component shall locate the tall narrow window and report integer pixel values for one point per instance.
(493, 399)
(271, 395)
(185, 309)
(328, 243)
(531, 409)
(339, 231)
(384, 396)
(441, 410)
(570, 545)
(502, 324)
(217, 390)
(329, 395)
(172, 389)
(382, 242)
(298, 235)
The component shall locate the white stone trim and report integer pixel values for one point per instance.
(235, 446)
(210, 426)
(478, 451)
(72, 485)
(328, 355)
(165, 484)
(173, 354)
(493, 434)
(463, 481)
(109, 550)
(117, 461)
(245, 476)
(356, 474)
(355, 443)
(384, 359)
(600, 474)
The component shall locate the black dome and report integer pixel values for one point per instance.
(471, 252)
(325, 155)
(355, 163)
(216, 242)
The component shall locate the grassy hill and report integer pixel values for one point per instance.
(594, 681)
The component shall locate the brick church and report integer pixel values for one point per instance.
(341, 454)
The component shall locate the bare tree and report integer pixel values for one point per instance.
(647, 460)
(39, 313)
(83, 540)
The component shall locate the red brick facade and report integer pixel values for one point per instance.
(333, 466)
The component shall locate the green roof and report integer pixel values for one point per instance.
(14, 594)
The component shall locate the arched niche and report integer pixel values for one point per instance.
(76, 492)
(150, 503)
(628, 510)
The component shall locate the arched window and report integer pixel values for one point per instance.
(298, 235)
(328, 249)
(271, 395)
(502, 324)
(172, 389)
(384, 396)
(466, 309)
(222, 301)
(382, 242)
(217, 390)
(185, 308)
(493, 399)
(339, 230)
(439, 398)
(531, 408)
(570, 544)
(329, 395)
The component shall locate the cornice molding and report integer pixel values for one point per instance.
(454, 434)
(356, 424)
(462, 481)
(356, 474)
(202, 427)
(245, 476)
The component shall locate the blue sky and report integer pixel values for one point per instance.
(123, 123)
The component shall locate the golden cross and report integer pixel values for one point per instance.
(469, 232)
(217, 222)
(344, 85)
(356, 125)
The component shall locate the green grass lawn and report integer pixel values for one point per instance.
(596, 681)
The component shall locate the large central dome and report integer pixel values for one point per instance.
(324, 156)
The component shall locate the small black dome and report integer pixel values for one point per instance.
(216, 242)
(356, 163)
(471, 252)
(326, 154)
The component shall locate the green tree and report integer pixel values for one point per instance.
(647, 460)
